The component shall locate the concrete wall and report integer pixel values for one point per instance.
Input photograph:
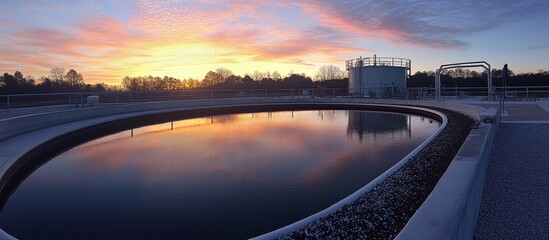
(20, 124)
(451, 210)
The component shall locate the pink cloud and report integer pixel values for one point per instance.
(89, 44)
(247, 30)
(440, 24)
(318, 40)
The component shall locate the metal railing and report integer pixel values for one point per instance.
(9, 103)
(20, 102)
(515, 93)
(378, 61)
(524, 93)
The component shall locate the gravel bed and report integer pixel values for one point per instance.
(385, 210)
(515, 202)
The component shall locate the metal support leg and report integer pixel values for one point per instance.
(8, 104)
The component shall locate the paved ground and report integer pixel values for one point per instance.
(522, 111)
(515, 202)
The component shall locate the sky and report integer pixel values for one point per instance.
(107, 40)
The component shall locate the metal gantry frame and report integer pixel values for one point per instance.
(482, 64)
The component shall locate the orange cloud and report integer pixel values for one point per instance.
(176, 38)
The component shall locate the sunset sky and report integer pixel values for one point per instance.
(107, 40)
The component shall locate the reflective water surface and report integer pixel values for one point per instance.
(229, 176)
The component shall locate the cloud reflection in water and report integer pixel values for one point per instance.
(238, 174)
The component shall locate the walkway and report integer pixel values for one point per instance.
(515, 202)
(524, 112)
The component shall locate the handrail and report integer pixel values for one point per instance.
(378, 61)
(18, 102)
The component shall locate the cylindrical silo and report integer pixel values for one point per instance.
(378, 76)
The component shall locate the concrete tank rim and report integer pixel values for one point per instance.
(422, 111)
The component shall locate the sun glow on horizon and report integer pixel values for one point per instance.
(107, 40)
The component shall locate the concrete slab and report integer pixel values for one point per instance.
(544, 104)
(525, 112)
(520, 111)
(525, 122)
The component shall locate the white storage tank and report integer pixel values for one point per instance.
(378, 76)
(355, 84)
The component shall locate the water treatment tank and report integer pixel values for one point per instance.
(378, 76)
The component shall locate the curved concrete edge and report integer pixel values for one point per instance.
(360, 192)
(451, 210)
(13, 126)
(51, 130)
(5, 236)
(469, 110)
(72, 120)
(20, 149)
(20, 124)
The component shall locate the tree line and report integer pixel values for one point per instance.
(328, 76)
(59, 80)
(469, 78)
(222, 78)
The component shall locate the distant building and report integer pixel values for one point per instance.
(378, 76)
